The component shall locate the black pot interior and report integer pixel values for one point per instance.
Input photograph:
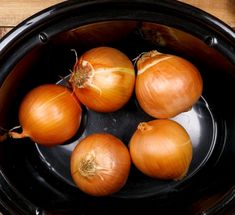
(38, 178)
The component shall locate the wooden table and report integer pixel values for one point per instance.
(13, 12)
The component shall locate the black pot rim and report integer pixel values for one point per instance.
(51, 14)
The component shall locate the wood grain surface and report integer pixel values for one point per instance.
(12, 12)
(222, 9)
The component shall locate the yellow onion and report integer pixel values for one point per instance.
(100, 164)
(166, 85)
(103, 79)
(161, 149)
(49, 114)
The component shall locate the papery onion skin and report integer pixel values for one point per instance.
(166, 85)
(100, 164)
(103, 79)
(161, 149)
(49, 114)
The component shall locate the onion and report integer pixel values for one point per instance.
(100, 164)
(166, 85)
(161, 149)
(103, 79)
(49, 114)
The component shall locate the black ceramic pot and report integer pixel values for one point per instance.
(36, 179)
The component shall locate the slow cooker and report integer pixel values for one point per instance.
(35, 179)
